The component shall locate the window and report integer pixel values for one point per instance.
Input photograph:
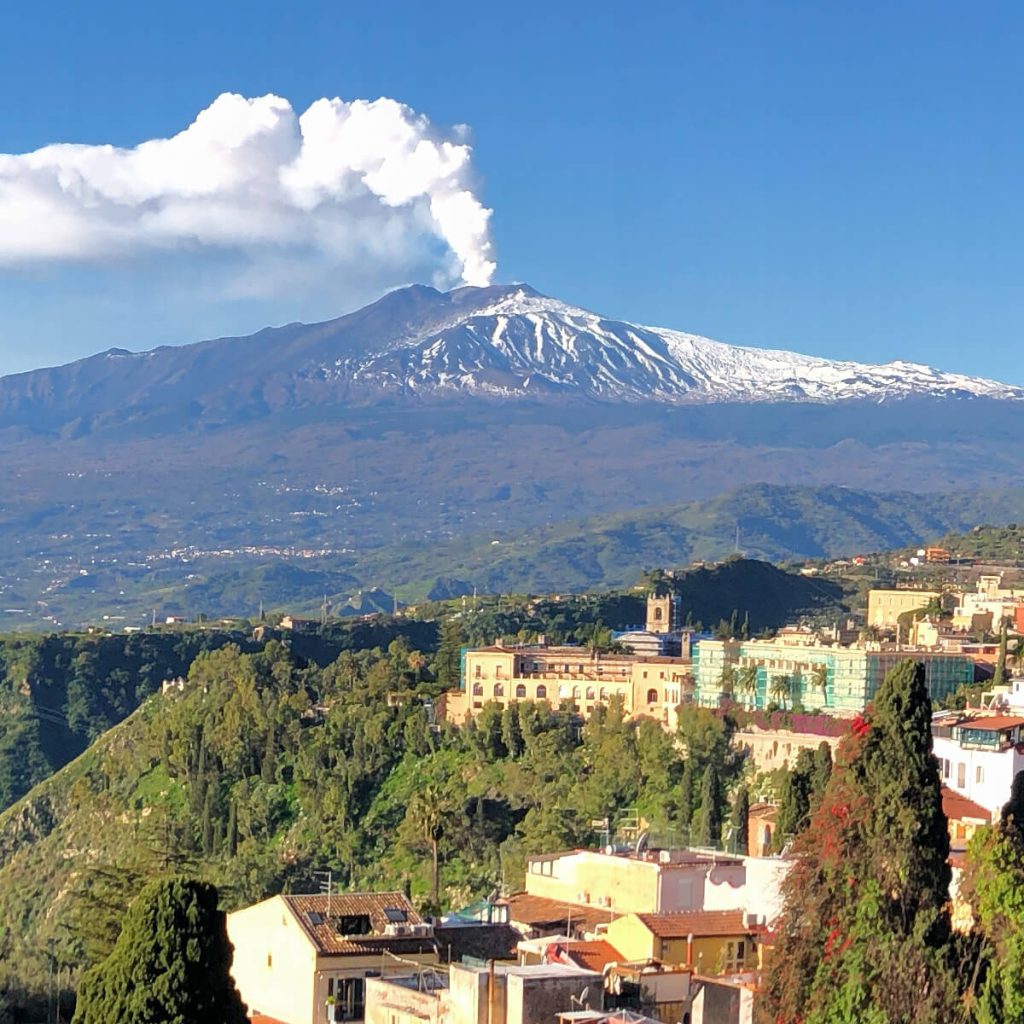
(590, 693)
(603, 694)
(499, 690)
(520, 691)
(270, 960)
(961, 775)
(979, 774)
(652, 696)
(478, 689)
(575, 693)
(478, 671)
(542, 692)
(945, 767)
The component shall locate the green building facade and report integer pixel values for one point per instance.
(842, 680)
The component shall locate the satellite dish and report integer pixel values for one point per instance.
(585, 994)
(642, 843)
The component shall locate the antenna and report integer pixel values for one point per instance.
(326, 880)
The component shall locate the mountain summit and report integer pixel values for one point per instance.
(497, 342)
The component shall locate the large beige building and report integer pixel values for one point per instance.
(886, 606)
(652, 686)
(305, 959)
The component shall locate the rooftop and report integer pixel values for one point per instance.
(698, 923)
(591, 956)
(356, 922)
(959, 808)
(542, 912)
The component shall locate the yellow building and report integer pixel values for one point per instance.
(305, 959)
(649, 686)
(708, 941)
(886, 606)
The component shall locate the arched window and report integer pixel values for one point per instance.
(499, 690)
(657, 615)
(590, 693)
(542, 692)
(604, 694)
(478, 690)
(652, 696)
(520, 691)
(575, 693)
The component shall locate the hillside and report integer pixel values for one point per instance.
(776, 523)
(264, 770)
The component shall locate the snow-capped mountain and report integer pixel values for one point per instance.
(497, 343)
(513, 340)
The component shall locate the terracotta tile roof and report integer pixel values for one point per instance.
(992, 722)
(260, 1018)
(959, 808)
(543, 913)
(698, 923)
(591, 956)
(330, 928)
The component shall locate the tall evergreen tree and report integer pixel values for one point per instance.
(171, 964)
(707, 829)
(448, 660)
(739, 820)
(687, 794)
(865, 930)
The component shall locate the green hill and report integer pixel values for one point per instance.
(266, 769)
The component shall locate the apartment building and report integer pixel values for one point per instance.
(839, 680)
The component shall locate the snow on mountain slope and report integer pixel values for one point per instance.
(513, 341)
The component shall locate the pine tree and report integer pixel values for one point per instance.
(865, 931)
(171, 963)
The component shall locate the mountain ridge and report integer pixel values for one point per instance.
(502, 342)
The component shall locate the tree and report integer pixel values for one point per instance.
(739, 820)
(171, 963)
(512, 731)
(819, 676)
(994, 887)
(746, 682)
(865, 931)
(428, 811)
(779, 689)
(707, 829)
(448, 661)
(999, 676)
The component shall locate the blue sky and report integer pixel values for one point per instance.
(840, 179)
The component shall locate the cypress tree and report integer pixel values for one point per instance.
(511, 731)
(865, 931)
(268, 772)
(171, 963)
(232, 829)
(687, 794)
(821, 772)
(708, 825)
(740, 820)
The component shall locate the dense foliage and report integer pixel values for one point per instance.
(865, 936)
(171, 963)
(268, 767)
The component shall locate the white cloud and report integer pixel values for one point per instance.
(343, 184)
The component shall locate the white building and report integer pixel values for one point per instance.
(980, 753)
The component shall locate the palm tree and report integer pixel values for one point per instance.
(428, 812)
(779, 689)
(417, 663)
(727, 681)
(747, 682)
(820, 676)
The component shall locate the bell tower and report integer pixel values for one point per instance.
(659, 613)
